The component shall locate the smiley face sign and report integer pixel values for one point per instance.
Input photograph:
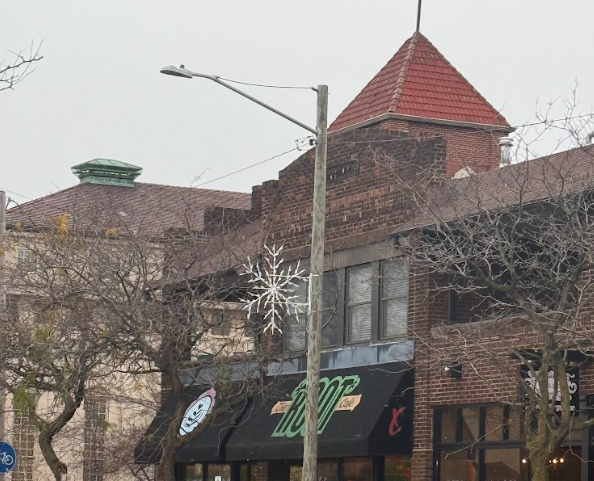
(197, 411)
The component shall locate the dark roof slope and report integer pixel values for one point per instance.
(227, 250)
(152, 206)
(528, 182)
(418, 81)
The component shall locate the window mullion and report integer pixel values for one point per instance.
(375, 303)
(341, 308)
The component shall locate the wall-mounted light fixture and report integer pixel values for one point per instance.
(453, 371)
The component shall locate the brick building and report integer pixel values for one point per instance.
(417, 122)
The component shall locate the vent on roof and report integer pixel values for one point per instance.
(463, 173)
(506, 144)
(107, 172)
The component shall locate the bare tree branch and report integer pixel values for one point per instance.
(17, 68)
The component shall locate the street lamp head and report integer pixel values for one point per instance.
(180, 71)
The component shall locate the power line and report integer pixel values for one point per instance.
(477, 130)
(554, 120)
(300, 142)
(16, 193)
(249, 166)
(294, 87)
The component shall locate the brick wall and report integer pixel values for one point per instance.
(364, 203)
(489, 372)
(362, 194)
(466, 147)
(222, 219)
(420, 312)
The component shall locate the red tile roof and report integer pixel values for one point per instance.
(420, 82)
(152, 207)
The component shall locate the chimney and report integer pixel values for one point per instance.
(506, 144)
(590, 138)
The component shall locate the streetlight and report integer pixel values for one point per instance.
(310, 439)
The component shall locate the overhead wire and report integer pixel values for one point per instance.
(301, 142)
(250, 166)
(293, 87)
(476, 130)
(16, 193)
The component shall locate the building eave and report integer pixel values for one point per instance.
(413, 118)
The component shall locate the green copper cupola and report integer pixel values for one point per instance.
(107, 172)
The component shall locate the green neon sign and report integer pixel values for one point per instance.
(331, 391)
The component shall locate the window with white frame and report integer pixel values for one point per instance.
(358, 303)
(361, 304)
(25, 256)
(394, 299)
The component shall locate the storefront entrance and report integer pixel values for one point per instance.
(364, 429)
(389, 468)
(486, 443)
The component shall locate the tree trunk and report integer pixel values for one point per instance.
(539, 464)
(57, 467)
(167, 467)
(47, 432)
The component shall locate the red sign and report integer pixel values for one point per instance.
(394, 427)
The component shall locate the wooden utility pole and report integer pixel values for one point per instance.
(3, 306)
(314, 326)
(2, 232)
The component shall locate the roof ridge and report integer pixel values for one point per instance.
(73, 187)
(18, 206)
(535, 162)
(401, 78)
(195, 188)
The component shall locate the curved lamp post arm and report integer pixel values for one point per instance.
(185, 73)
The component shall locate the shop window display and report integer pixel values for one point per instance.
(206, 472)
(218, 472)
(192, 472)
(480, 443)
(397, 468)
(357, 469)
(565, 464)
(459, 465)
(505, 464)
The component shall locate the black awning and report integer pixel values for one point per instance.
(208, 446)
(364, 411)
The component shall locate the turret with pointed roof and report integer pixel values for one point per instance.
(419, 82)
(419, 91)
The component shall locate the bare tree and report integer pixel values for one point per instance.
(513, 250)
(108, 301)
(54, 344)
(18, 67)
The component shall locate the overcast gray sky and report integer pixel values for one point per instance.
(98, 91)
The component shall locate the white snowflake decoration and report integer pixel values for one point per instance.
(273, 289)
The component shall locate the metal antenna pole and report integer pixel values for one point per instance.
(419, 16)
